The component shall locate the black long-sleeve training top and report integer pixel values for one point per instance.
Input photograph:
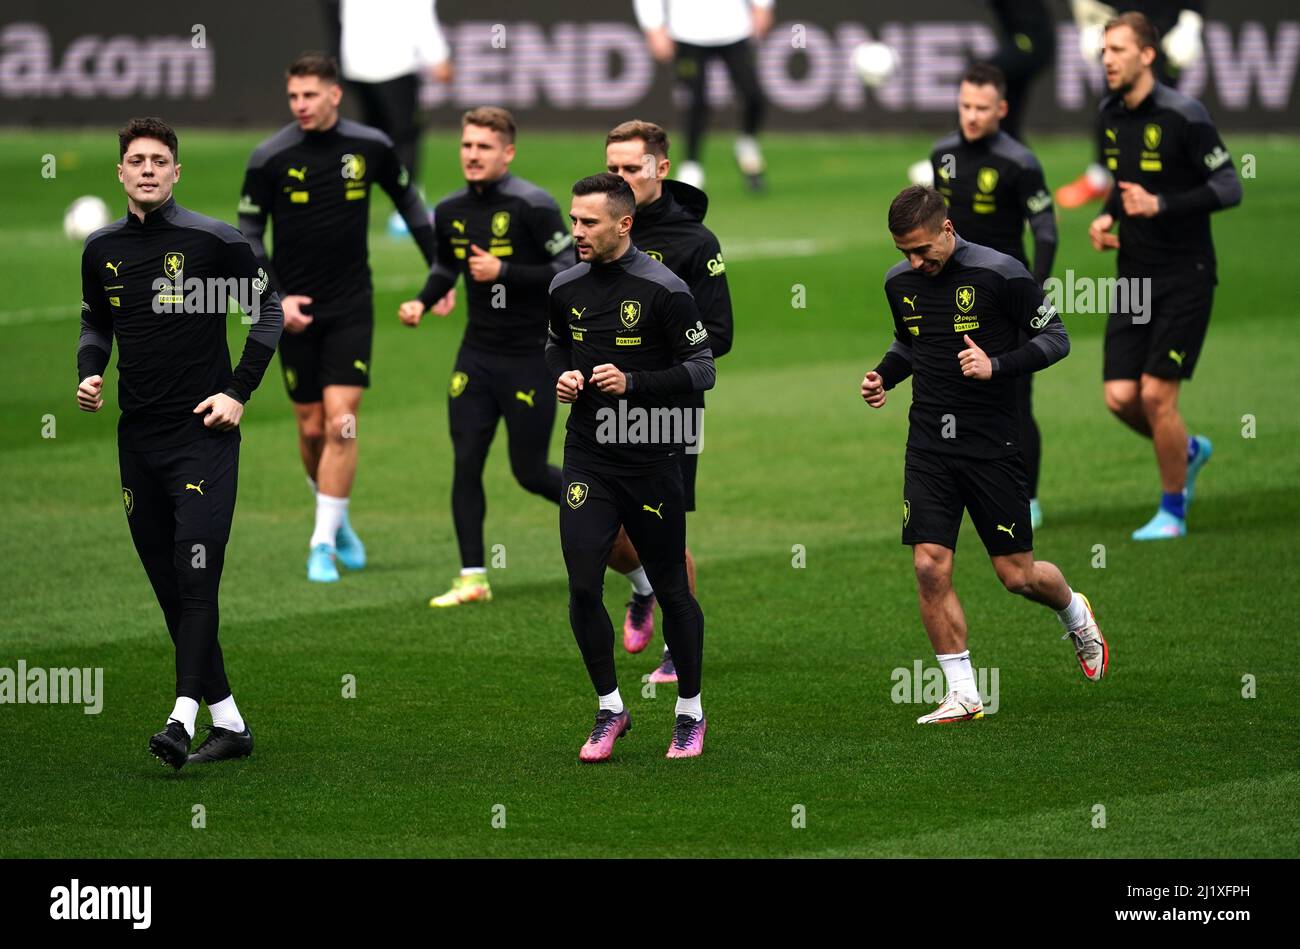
(161, 287)
(992, 298)
(636, 314)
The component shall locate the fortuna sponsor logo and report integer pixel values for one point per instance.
(1117, 296)
(103, 902)
(919, 685)
(24, 686)
(651, 426)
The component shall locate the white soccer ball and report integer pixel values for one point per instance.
(85, 216)
(921, 173)
(875, 63)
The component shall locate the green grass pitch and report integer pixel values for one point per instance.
(457, 712)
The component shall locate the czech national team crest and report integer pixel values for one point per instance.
(1151, 137)
(907, 511)
(965, 298)
(500, 223)
(459, 381)
(128, 501)
(629, 313)
(576, 496)
(987, 180)
(173, 263)
(655, 255)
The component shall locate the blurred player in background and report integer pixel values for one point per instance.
(1026, 50)
(1172, 172)
(506, 236)
(178, 435)
(994, 186)
(625, 337)
(690, 34)
(959, 311)
(313, 178)
(386, 47)
(1178, 25)
(668, 226)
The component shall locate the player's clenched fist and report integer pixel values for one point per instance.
(873, 389)
(609, 379)
(568, 385)
(89, 397)
(1100, 235)
(410, 312)
(223, 412)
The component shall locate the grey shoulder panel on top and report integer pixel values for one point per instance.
(226, 233)
(528, 192)
(451, 196)
(898, 269)
(288, 136)
(986, 258)
(110, 228)
(1190, 109)
(358, 130)
(1014, 151)
(647, 268)
(951, 140)
(568, 276)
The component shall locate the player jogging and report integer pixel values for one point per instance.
(313, 178)
(158, 281)
(958, 308)
(1172, 172)
(994, 186)
(506, 236)
(627, 348)
(668, 226)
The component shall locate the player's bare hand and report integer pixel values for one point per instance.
(568, 385)
(90, 394)
(1100, 235)
(762, 18)
(873, 389)
(1138, 201)
(483, 266)
(607, 378)
(295, 320)
(975, 363)
(224, 412)
(661, 45)
(446, 304)
(410, 312)
(442, 72)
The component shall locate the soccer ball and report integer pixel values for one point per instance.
(85, 216)
(875, 63)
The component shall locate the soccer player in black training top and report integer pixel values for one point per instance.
(159, 280)
(993, 185)
(958, 311)
(506, 236)
(313, 179)
(628, 349)
(668, 226)
(1172, 172)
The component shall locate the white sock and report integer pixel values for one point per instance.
(1075, 615)
(330, 512)
(640, 582)
(691, 707)
(225, 715)
(613, 702)
(185, 712)
(960, 676)
(470, 571)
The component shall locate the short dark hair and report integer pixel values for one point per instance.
(314, 63)
(149, 127)
(1143, 28)
(986, 74)
(655, 138)
(915, 207)
(617, 191)
(491, 117)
